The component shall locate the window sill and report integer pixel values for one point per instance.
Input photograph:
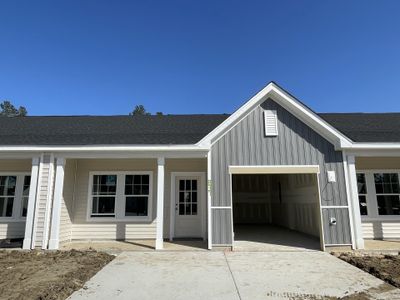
(11, 220)
(395, 218)
(118, 220)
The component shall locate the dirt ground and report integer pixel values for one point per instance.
(385, 267)
(47, 275)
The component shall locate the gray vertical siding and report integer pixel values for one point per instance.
(296, 144)
(222, 226)
(338, 234)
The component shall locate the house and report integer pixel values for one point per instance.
(273, 161)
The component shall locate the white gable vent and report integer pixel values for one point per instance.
(270, 123)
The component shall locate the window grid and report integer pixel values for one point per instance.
(7, 195)
(187, 197)
(362, 193)
(137, 193)
(104, 191)
(387, 191)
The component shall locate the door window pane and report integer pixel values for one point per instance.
(25, 195)
(187, 197)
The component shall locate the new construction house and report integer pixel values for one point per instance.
(271, 168)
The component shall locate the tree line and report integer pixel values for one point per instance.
(7, 109)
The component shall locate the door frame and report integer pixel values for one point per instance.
(202, 201)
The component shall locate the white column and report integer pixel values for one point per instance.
(56, 212)
(160, 202)
(209, 212)
(27, 244)
(354, 207)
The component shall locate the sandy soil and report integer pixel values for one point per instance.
(47, 275)
(385, 267)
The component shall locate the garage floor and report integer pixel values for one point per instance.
(232, 275)
(272, 238)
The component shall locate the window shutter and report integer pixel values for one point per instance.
(270, 123)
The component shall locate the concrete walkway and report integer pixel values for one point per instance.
(232, 275)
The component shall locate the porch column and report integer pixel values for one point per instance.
(355, 208)
(27, 244)
(56, 212)
(160, 202)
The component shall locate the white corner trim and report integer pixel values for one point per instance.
(353, 202)
(57, 201)
(209, 201)
(279, 169)
(30, 215)
(160, 203)
(287, 101)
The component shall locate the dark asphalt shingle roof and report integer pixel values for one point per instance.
(366, 127)
(112, 130)
(168, 129)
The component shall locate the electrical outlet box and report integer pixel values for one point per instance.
(331, 176)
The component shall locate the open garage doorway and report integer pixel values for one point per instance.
(276, 212)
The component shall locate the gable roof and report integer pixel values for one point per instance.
(291, 104)
(366, 127)
(107, 130)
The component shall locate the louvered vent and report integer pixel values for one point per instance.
(270, 123)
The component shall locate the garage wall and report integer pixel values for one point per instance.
(251, 199)
(297, 208)
(296, 144)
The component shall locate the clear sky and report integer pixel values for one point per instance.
(103, 57)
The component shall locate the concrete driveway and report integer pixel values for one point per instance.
(232, 275)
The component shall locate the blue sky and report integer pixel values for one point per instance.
(103, 57)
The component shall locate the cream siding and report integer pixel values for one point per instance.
(14, 228)
(84, 229)
(45, 186)
(380, 229)
(67, 201)
(178, 165)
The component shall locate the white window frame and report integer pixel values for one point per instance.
(17, 205)
(372, 200)
(275, 113)
(119, 209)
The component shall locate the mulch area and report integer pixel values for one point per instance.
(47, 274)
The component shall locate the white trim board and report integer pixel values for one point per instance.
(280, 169)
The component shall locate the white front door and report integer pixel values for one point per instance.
(188, 207)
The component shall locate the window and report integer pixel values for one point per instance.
(120, 195)
(137, 189)
(7, 195)
(271, 123)
(387, 193)
(25, 195)
(362, 194)
(104, 191)
(188, 197)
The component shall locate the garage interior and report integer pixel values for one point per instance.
(276, 212)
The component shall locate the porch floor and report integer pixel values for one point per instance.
(135, 245)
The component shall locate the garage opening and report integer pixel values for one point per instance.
(276, 212)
